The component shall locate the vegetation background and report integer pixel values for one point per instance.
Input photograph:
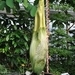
(16, 27)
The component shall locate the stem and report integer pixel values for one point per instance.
(47, 23)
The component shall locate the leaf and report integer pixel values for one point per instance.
(25, 3)
(10, 3)
(6, 48)
(29, 7)
(17, 35)
(26, 45)
(2, 5)
(17, 51)
(25, 37)
(33, 11)
(15, 44)
(15, 27)
(7, 37)
(19, 1)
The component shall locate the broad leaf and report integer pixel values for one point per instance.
(33, 11)
(2, 5)
(19, 1)
(25, 3)
(29, 7)
(10, 3)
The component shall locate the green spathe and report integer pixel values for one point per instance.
(39, 44)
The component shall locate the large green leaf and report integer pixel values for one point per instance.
(29, 6)
(33, 11)
(2, 5)
(19, 1)
(25, 3)
(10, 3)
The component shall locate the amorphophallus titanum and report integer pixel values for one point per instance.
(39, 43)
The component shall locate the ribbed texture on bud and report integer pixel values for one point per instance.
(39, 43)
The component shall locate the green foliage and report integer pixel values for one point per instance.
(15, 36)
(55, 72)
(2, 5)
(25, 3)
(10, 3)
(33, 11)
(61, 43)
(61, 47)
(3, 70)
(19, 1)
